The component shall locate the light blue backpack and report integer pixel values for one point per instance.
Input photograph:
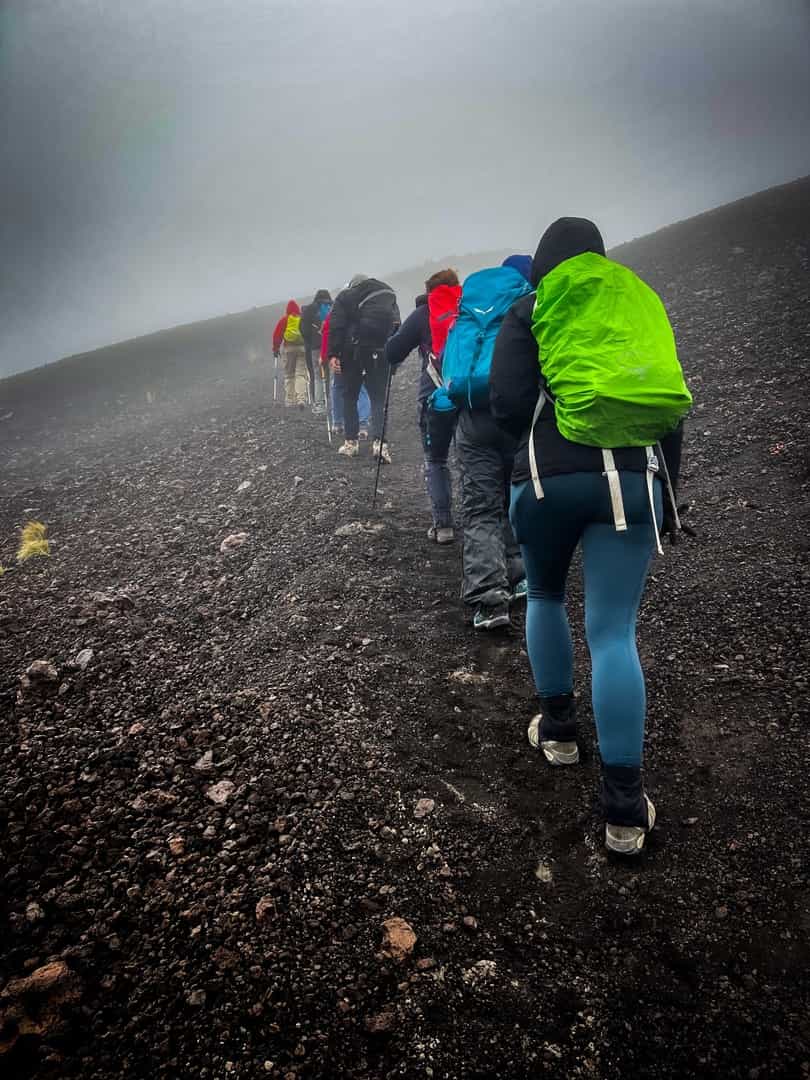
(486, 297)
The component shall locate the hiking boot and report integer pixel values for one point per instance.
(441, 534)
(491, 618)
(629, 813)
(381, 450)
(520, 591)
(350, 448)
(553, 730)
(629, 839)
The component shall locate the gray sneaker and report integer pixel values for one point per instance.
(441, 534)
(491, 618)
(629, 839)
(555, 753)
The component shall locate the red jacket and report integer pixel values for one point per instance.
(325, 340)
(281, 325)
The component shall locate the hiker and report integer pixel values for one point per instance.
(363, 317)
(335, 403)
(597, 466)
(313, 317)
(426, 330)
(288, 342)
(492, 567)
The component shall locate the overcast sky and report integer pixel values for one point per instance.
(167, 160)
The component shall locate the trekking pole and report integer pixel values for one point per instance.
(275, 377)
(382, 436)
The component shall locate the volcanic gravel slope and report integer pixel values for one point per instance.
(331, 683)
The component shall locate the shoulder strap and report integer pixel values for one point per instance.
(377, 292)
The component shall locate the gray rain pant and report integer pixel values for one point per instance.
(492, 563)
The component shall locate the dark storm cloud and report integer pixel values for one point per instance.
(168, 161)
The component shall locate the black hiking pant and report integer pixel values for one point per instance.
(364, 364)
(492, 564)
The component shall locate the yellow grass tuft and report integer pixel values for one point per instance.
(33, 541)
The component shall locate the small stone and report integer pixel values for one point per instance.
(244, 485)
(265, 907)
(721, 912)
(233, 542)
(543, 872)
(34, 912)
(196, 997)
(426, 963)
(423, 808)
(470, 922)
(220, 793)
(297, 481)
(136, 729)
(177, 846)
(399, 938)
(204, 763)
(83, 659)
(382, 1022)
(41, 671)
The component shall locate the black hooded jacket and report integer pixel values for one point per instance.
(311, 319)
(363, 314)
(516, 376)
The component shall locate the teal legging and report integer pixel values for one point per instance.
(576, 508)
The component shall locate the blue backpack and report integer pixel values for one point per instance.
(486, 297)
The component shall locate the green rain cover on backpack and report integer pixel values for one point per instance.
(608, 356)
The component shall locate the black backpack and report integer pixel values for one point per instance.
(377, 315)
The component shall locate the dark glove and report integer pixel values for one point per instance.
(668, 527)
(276, 354)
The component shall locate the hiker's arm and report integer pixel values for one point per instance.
(409, 336)
(278, 333)
(514, 379)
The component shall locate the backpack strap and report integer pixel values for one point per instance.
(652, 470)
(377, 292)
(615, 485)
(538, 487)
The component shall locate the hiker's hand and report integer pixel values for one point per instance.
(276, 355)
(334, 364)
(668, 526)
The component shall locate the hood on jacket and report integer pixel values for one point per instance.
(358, 279)
(563, 239)
(322, 296)
(421, 300)
(521, 263)
(293, 308)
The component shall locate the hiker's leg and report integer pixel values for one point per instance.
(515, 570)
(549, 530)
(375, 382)
(437, 431)
(485, 578)
(364, 408)
(337, 400)
(310, 371)
(289, 358)
(301, 376)
(615, 566)
(352, 370)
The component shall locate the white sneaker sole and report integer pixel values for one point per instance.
(555, 753)
(496, 623)
(629, 840)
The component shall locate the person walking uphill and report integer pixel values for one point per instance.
(492, 568)
(288, 341)
(313, 317)
(363, 317)
(426, 330)
(599, 422)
